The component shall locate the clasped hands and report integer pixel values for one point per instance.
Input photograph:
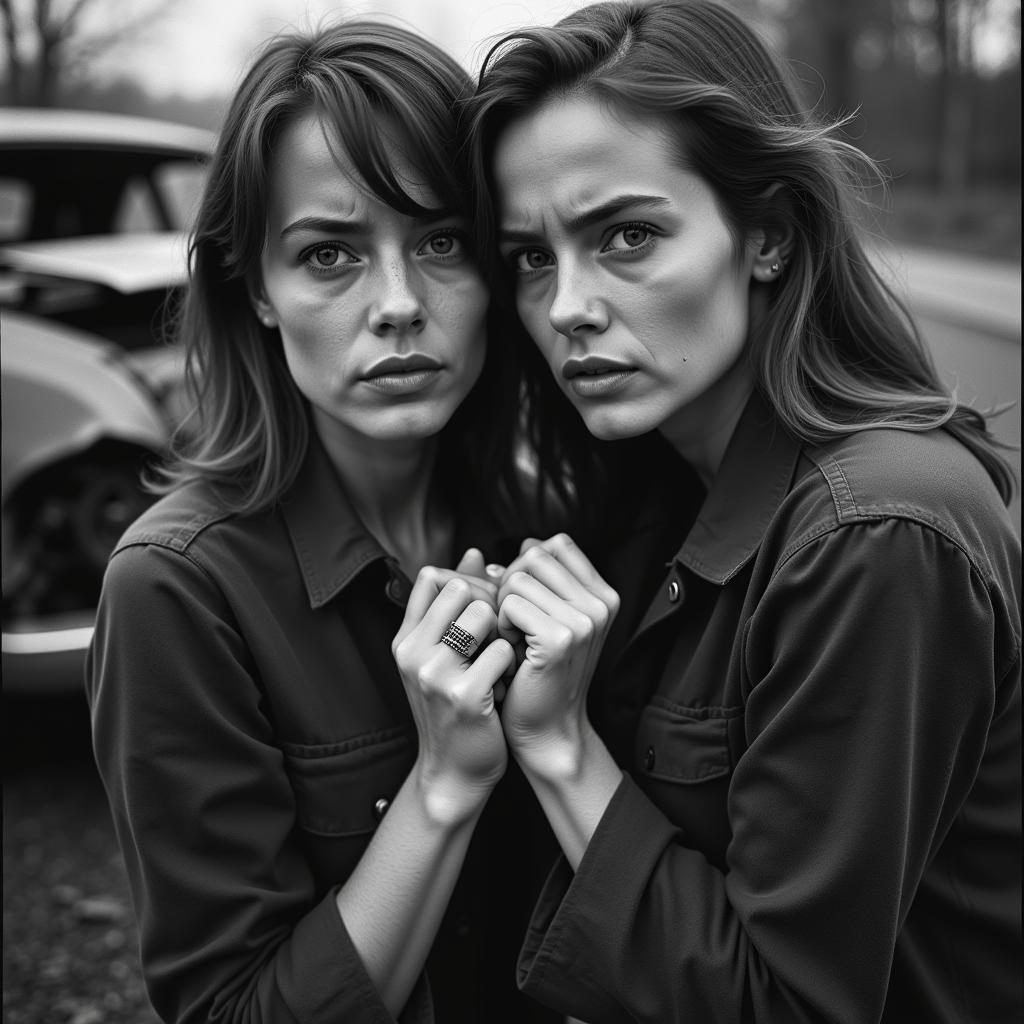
(541, 623)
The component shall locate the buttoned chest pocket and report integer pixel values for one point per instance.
(342, 790)
(682, 760)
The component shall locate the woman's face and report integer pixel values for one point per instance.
(381, 315)
(627, 276)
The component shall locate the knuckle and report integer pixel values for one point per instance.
(400, 651)
(429, 574)
(534, 555)
(580, 624)
(600, 616)
(518, 578)
(457, 587)
(480, 615)
(562, 639)
(459, 695)
(429, 677)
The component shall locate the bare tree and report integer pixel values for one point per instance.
(936, 38)
(828, 34)
(956, 26)
(942, 41)
(839, 24)
(53, 43)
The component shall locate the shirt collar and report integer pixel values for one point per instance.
(331, 543)
(755, 474)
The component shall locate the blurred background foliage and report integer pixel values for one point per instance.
(932, 87)
(935, 90)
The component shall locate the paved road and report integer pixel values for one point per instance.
(969, 311)
(978, 293)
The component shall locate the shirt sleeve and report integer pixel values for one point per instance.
(230, 928)
(870, 677)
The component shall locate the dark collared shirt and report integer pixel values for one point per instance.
(250, 727)
(819, 717)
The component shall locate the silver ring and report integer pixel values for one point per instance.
(459, 640)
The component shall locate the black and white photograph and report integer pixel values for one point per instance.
(511, 511)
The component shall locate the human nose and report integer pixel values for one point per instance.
(397, 306)
(577, 308)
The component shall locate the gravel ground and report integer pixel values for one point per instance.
(69, 938)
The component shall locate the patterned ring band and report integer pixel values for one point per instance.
(459, 640)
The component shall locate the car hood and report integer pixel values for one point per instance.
(126, 263)
(64, 390)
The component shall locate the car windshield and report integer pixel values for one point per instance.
(64, 193)
(114, 286)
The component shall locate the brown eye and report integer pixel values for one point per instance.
(443, 244)
(531, 259)
(629, 237)
(326, 257)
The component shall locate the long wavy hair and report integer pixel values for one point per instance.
(838, 351)
(249, 428)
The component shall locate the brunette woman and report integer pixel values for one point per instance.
(302, 821)
(795, 796)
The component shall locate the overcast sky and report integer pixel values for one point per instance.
(199, 47)
(203, 46)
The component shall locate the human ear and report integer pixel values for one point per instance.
(774, 242)
(262, 306)
(770, 261)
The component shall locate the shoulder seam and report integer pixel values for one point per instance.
(178, 539)
(181, 550)
(895, 512)
(839, 487)
(849, 511)
(892, 512)
(1000, 603)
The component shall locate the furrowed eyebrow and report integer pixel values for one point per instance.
(355, 225)
(595, 215)
(613, 206)
(508, 236)
(327, 225)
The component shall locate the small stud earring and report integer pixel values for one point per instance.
(775, 268)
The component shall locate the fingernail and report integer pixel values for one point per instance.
(494, 569)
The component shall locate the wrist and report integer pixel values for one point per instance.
(574, 783)
(557, 758)
(449, 802)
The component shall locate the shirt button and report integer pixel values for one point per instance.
(380, 808)
(397, 591)
(673, 591)
(649, 759)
